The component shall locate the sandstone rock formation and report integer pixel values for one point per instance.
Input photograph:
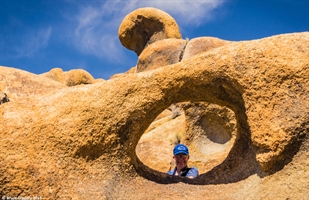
(60, 145)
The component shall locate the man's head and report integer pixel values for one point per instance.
(181, 155)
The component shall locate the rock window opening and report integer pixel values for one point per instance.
(209, 131)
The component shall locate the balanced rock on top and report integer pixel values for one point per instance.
(145, 26)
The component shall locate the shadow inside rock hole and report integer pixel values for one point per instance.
(213, 135)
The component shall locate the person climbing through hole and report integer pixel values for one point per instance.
(181, 157)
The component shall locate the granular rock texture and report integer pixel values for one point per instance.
(80, 142)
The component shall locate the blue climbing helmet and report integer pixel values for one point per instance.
(181, 148)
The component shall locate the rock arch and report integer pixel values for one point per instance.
(94, 129)
(241, 162)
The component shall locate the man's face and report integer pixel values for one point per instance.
(181, 159)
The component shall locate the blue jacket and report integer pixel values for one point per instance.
(190, 172)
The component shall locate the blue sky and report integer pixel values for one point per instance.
(38, 35)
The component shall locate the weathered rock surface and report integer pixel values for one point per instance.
(202, 44)
(79, 142)
(161, 53)
(18, 84)
(170, 51)
(145, 26)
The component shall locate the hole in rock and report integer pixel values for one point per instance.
(209, 130)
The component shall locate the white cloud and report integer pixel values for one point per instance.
(96, 31)
(193, 12)
(31, 42)
(187, 12)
